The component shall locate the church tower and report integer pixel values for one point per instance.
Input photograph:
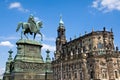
(61, 38)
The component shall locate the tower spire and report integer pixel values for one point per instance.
(61, 38)
(61, 21)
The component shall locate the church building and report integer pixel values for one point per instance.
(92, 56)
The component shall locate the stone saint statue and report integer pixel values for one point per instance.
(31, 27)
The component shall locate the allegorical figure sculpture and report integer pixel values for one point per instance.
(31, 27)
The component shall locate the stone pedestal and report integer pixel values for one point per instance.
(6, 76)
(29, 51)
(28, 63)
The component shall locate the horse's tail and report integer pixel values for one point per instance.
(19, 25)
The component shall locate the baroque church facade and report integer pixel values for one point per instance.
(88, 57)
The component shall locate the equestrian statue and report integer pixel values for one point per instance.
(31, 27)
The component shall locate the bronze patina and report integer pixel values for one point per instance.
(31, 27)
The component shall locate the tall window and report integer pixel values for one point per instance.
(116, 74)
(104, 74)
(64, 76)
(99, 46)
(69, 76)
(81, 76)
(91, 74)
(84, 49)
(90, 47)
(75, 75)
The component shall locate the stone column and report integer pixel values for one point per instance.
(97, 70)
(84, 67)
(110, 69)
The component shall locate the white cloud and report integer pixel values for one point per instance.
(36, 18)
(1, 72)
(50, 47)
(6, 43)
(106, 5)
(18, 6)
(15, 5)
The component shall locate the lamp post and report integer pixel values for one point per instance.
(10, 54)
(48, 61)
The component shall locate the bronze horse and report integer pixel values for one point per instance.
(30, 28)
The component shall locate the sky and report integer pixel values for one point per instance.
(79, 16)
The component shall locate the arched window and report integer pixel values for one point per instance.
(84, 49)
(91, 74)
(75, 75)
(104, 74)
(90, 46)
(116, 74)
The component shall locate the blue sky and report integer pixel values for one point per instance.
(78, 16)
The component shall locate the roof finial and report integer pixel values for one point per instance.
(104, 29)
(70, 39)
(111, 30)
(61, 21)
(85, 32)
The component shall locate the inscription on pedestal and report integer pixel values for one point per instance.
(31, 66)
